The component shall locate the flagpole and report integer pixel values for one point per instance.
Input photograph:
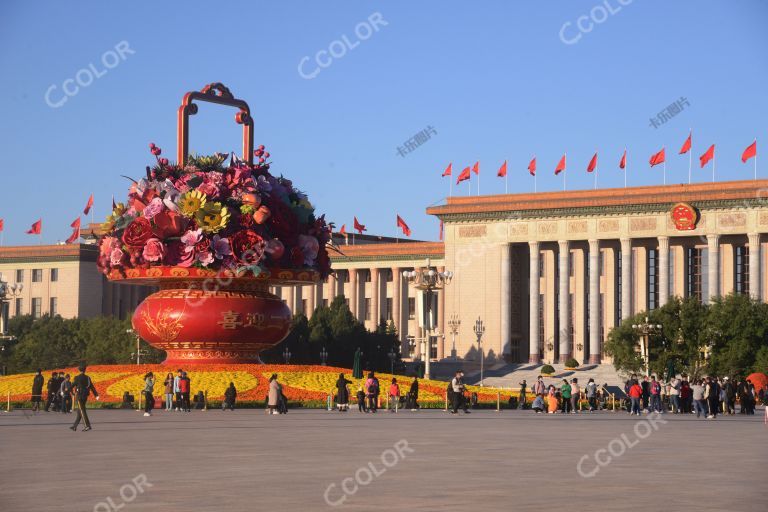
(713, 168)
(565, 156)
(755, 159)
(665, 169)
(690, 160)
(478, 182)
(450, 185)
(626, 167)
(506, 183)
(535, 181)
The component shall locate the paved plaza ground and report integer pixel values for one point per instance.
(312, 460)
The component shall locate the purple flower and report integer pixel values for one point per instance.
(116, 257)
(191, 238)
(153, 208)
(221, 247)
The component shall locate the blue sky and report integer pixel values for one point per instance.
(495, 80)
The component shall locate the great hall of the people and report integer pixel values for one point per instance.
(549, 274)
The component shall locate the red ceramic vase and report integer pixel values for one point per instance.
(208, 317)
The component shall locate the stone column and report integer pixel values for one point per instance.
(533, 308)
(626, 278)
(563, 292)
(594, 302)
(505, 340)
(397, 298)
(375, 294)
(319, 294)
(353, 302)
(290, 298)
(663, 276)
(713, 266)
(311, 300)
(754, 265)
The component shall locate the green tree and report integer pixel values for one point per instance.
(736, 331)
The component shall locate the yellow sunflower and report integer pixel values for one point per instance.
(191, 202)
(212, 217)
(117, 212)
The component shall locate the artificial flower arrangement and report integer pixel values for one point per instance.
(208, 214)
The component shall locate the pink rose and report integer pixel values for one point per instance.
(154, 250)
(177, 255)
(154, 207)
(116, 257)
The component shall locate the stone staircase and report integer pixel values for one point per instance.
(505, 375)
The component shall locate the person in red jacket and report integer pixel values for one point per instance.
(184, 390)
(635, 393)
(394, 395)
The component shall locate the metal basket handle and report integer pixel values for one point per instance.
(212, 93)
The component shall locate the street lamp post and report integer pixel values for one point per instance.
(139, 351)
(479, 330)
(392, 355)
(323, 356)
(453, 324)
(287, 355)
(7, 292)
(429, 280)
(645, 330)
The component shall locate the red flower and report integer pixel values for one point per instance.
(137, 233)
(168, 224)
(248, 247)
(203, 245)
(177, 255)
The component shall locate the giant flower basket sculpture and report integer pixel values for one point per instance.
(213, 233)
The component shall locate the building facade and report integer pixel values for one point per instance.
(549, 274)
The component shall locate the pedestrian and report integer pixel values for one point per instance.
(699, 398)
(686, 395)
(646, 394)
(177, 390)
(342, 393)
(538, 404)
(458, 387)
(82, 387)
(730, 396)
(655, 393)
(372, 392)
(185, 387)
(713, 397)
(230, 395)
(413, 394)
(275, 391)
(552, 400)
(538, 387)
(635, 394)
(168, 391)
(521, 397)
(394, 395)
(65, 392)
(591, 392)
(565, 394)
(52, 388)
(361, 407)
(674, 394)
(149, 399)
(575, 395)
(37, 390)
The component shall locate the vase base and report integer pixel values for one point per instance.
(186, 357)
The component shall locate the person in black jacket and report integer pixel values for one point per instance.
(52, 388)
(37, 390)
(230, 395)
(65, 392)
(413, 394)
(342, 393)
(82, 387)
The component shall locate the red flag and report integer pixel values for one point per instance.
(592, 164)
(359, 227)
(476, 167)
(2, 224)
(441, 231)
(503, 170)
(464, 176)
(532, 167)
(75, 231)
(707, 156)
(750, 152)
(686, 145)
(36, 228)
(658, 158)
(88, 205)
(402, 225)
(623, 161)
(447, 171)
(343, 230)
(560, 166)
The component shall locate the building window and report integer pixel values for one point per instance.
(671, 273)
(601, 329)
(388, 276)
(325, 303)
(433, 347)
(304, 306)
(741, 269)
(541, 265)
(54, 275)
(696, 276)
(570, 263)
(411, 308)
(571, 332)
(367, 275)
(37, 307)
(37, 275)
(411, 346)
(367, 309)
(541, 326)
(19, 308)
(619, 273)
(53, 310)
(653, 279)
(346, 301)
(601, 263)
(388, 312)
(19, 276)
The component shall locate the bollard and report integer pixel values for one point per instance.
(498, 401)
(205, 400)
(8, 404)
(446, 401)
(613, 401)
(141, 395)
(397, 403)
(387, 401)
